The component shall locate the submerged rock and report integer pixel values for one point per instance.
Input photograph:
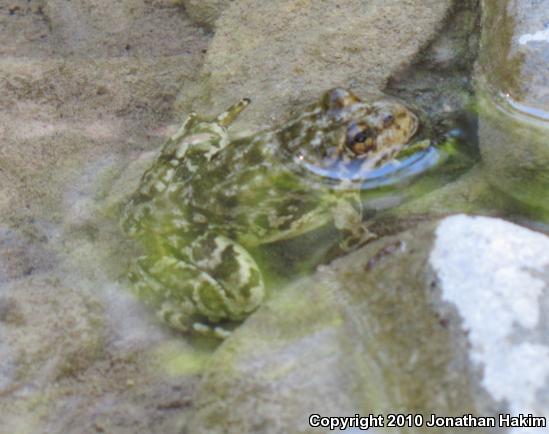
(441, 319)
(205, 12)
(95, 28)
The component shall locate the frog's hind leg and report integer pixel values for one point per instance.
(234, 271)
(229, 116)
(212, 280)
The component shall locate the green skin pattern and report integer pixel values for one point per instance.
(206, 200)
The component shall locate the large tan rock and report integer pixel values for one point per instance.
(287, 52)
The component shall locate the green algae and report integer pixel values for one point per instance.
(177, 359)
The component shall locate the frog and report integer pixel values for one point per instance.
(208, 200)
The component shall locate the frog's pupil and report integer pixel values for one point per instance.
(361, 137)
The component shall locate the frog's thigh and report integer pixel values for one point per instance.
(177, 289)
(233, 269)
(347, 216)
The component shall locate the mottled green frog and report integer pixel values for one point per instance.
(208, 199)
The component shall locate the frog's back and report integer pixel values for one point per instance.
(253, 190)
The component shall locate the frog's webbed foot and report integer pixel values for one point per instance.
(347, 216)
(198, 133)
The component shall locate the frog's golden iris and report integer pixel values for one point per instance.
(206, 200)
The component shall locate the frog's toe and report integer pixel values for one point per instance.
(185, 126)
(173, 315)
(217, 332)
(356, 238)
(229, 116)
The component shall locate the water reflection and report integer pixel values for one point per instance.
(390, 173)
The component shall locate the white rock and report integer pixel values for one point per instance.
(496, 274)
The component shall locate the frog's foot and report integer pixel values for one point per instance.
(229, 116)
(356, 238)
(224, 119)
(217, 332)
(197, 139)
(347, 214)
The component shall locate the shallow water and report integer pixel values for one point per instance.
(83, 352)
(511, 81)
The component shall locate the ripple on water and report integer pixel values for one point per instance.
(390, 173)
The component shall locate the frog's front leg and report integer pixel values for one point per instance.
(227, 117)
(212, 280)
(224, 119)
(347, 215)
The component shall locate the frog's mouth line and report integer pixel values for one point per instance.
(389, 173)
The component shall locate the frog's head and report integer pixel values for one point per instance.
(342, 124)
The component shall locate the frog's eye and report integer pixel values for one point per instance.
(388, 120)
(360, 137)
(360, 141)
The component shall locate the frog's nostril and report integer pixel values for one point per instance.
(338, 98)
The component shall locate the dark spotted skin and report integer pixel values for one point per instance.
(206, 200)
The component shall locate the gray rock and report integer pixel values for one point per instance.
(94, 28)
